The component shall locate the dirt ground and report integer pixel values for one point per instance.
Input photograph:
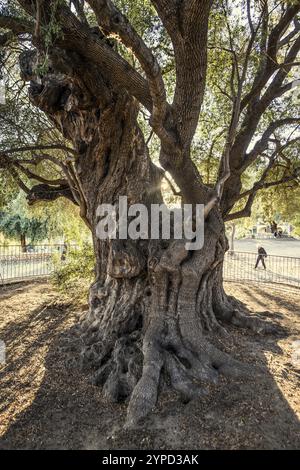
(45, 405)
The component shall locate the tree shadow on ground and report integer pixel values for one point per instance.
(277, 293)
(64, 411)
(8, 291)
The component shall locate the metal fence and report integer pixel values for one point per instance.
(38, 261)
(240, 267)
(17, 263)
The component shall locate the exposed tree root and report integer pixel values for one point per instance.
(186, 371)
(136, 343)
(149, 323)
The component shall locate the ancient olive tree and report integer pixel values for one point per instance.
(155, 307)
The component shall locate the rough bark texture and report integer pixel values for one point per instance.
(153, 304)
(148, 326)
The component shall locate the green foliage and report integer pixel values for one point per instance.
(14, 226)
(50, 34)
(20, 122)
(74, 275)
(217, 107)
(63, 220)
(17, 222)
(8, 190)
(280, 204)
(42, 221)
(54, 29)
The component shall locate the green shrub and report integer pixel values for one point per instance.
(74, 276)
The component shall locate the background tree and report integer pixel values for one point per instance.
(17, 224)
(279, 204)
(155, 308)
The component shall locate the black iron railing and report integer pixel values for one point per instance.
(39, 261)
(240, 267)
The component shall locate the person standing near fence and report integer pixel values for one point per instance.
(64, 252)
(262, 254)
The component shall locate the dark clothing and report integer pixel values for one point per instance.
(262, 254)
(260, 258)
(274, 228)
(64, 252)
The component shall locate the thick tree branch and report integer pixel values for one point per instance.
(16, 25)
(49, 190)
(269, 57)
(112, 20)
(276, 88)
(117, 70)
(256, 110)
(262, 144)
(49, 193)
(79, 7)
(8, 165)
(78, 37)
(34, 148)
(187, 25)
(168, 11)
(263, 184)
(191, 65)
(31, 175)
(245, 212)
(250, 22)
(287, 39)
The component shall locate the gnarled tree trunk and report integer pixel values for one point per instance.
(153, 303)
(151, 312)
